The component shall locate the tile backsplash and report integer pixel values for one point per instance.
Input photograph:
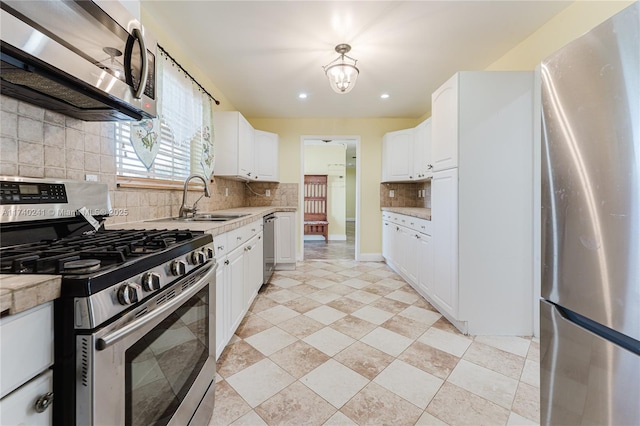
(406, 194)
(35, 142)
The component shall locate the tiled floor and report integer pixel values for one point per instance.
(319, 249)
(339, 342)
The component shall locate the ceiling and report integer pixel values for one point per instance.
(263, 54)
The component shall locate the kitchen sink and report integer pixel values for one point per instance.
(205, 217)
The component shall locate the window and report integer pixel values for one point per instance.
(177, 143)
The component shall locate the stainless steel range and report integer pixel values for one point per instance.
(135, 323)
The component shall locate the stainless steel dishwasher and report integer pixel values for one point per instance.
(269, 247)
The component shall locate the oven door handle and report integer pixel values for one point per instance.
(111, 338)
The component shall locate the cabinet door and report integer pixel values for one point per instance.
(253, 269)
(444, 122)
(444, 218)
(408, 261)
(246, 142)
(18, 408)
(235, 270)
(387, 240)
(398, 160)
(425, 263)
(285, 231)
(422, 150)
(266, 156)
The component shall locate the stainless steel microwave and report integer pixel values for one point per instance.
(91, 60)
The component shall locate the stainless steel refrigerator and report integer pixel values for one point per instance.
(590, 307)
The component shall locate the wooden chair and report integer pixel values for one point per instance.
(315, 206)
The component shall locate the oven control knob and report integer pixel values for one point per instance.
(128, 294)
(151, 281)
(178, 267)
(198, 257)
(210, 252)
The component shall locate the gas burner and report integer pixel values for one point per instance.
(81, 266)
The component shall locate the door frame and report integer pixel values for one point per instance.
(355, 138)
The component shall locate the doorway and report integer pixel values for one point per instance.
(337, 159)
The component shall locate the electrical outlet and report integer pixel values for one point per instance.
(419, 193)
(267, 193)
(91, 178)
(226, 192)
(392, 193)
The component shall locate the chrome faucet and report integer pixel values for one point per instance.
(184, 209)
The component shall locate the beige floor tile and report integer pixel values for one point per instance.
(429, 420)
(262, 304)
(515, 345)
(383, 273)
(378, 289)
(495, 359)
(302, 304)
(348, 306)
(320, 282)
(405, 326)
(422, 303)
(325, 314)
(421, 315)
(430, 359)
(534, 351)
(283, 281)
(409, 382)
(236, 357)
(483, 382)
(518, 420)
(531, 373)
(252, 324)
(375, 405)
(295, 405)
(351, 273)
(403, 296)
(527, 402)
(334, 382)
(329, 341)
(278, 314)
(353, 327)
(301, 326)
(260, 382)
(456, 406)
(363, 296)
(366, 276)
(303, 289)
(444, 325)
(391, 283)
(340, 289)
(389, 305)
(372, 315)
(229, 405)
(387, 341)
(339, 419)
(356, 283)
(454, 344)
(299, 358)
(282, 295)
(323, 296)
(319, 273)
(364, 359)
(250, 419)
(271, 340)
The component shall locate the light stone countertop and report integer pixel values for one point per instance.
(214, 228)
(418, 212)
(21, 292)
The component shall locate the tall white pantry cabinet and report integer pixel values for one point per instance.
(481, 201)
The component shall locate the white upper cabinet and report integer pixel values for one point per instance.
(422, 150)
(397, 164)
(243, 152)
(406, 154)
(266, 156)
(444, 132)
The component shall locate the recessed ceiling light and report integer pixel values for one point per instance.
(302, 96)
(384, 96)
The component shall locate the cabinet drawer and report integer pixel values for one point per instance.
(243, 234)
(26, 340)
(221, 246)
(19, 408)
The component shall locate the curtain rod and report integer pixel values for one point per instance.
(188, 75)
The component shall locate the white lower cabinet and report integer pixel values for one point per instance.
(285, 236)
(424, 253)
(26, 385)
(238, 278)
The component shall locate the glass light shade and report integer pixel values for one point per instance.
(342, 76)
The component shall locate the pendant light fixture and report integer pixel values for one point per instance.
(342, 71)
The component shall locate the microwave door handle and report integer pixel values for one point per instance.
(137, 34)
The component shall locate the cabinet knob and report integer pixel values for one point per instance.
(429, 166)
(226, 262)
(43, 402)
